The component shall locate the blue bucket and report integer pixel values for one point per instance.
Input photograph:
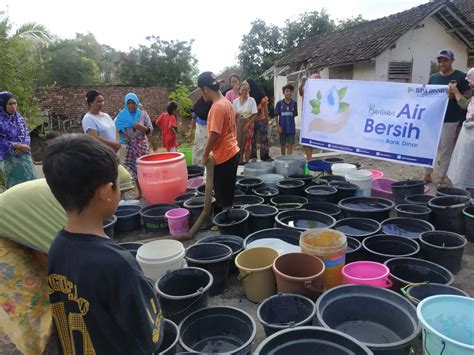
(319, 165)
(447, 322)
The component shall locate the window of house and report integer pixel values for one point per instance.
(341, 72)
(400, 71)
(433, 68)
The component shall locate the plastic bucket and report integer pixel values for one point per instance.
(160, 256)
(406, 227)
(353, 251)
(443, 248)
(361, 178)
(334, 160)
(154, 217)
(287, 165)
(306, 178)
(401, 189)
(213, 257)
(413, 211)
(256, 274)
(330, 246)
(266, 193)
(468, 213)
(234, 242)
(233, 221)
(447, 212)
(178, 221)
(222, 330)
(302, 220)
(181, 199)
(288, 202)
(311, 340)
(285, 311)
(381, 248)
(254, 169)
(261, 217)
(422, 199)
(128, 219)
(194, 183)
(183, 291)
(376, 174)
(321, 193)
(324, 207)
(447, 325)
(366, 273)
(244, 200)
(195, 207)
(109, 226)
(170, 338)
(188, 155)
(291, 187)
(299, 273)
(408, 271)
(195, 170)
(367, 207)
(381, 319)
(342, 169)
(358, 228)
(273, 236)
(131, 247)
(319, 165)
(270, 180)
(332, 178)
(452, 191)
(417, 293)
(246, 185)
(344, 189)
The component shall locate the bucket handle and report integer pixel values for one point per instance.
(201, 291)
(388, 283)
(241, 278)
(309, 285)
(425, 333)
(404, 291)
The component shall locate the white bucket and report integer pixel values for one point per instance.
(342, 169)
(362, 178)
(160, 256)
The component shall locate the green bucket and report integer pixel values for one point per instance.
(188, 155)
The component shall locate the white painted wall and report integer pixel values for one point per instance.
(364, 71)
(422, 46)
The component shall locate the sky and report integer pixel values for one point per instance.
(216, 26)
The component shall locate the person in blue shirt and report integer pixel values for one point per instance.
(286, 111)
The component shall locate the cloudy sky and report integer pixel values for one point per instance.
(216, 26)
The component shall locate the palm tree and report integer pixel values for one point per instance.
(34, 32)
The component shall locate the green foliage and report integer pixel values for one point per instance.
(349, 22)
(181, 97)
(306, 25)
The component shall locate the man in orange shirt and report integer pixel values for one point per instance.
(222, 141)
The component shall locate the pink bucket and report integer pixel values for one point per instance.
(366, 273)
(376, 174)
(178, 221)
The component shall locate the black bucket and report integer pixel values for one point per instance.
(413, 211)
(421, 199)
(321, 193)
(306, 178)
(332, 178)
(468, 213)
(382, 247)
(354, 250)
(109, 226)
(238, 193)
(452, 191)
(325, 207)
(443, 248)
(248, 184)
(311, 340)
(407, 271)
(334, 160)
(213, 257)
(344, 189)
(128, 218)
(446, 213)
(183, 291)
(195, 207)
(358, 228)
(234, 242)
(287, 235)
(195, 171)
(233, 221)
(261, 217)
(266, 193)
(367, 207)
(219, 330)
(169, 343)
(288, 202)
(406, 227)
(284, 311)
(201, 190)
(131, 247)
(381, 319)
(154, 218)
(417, 293)
(179, 200)
(291, 187)
(244, 200)
(401, 189)
(303, 220)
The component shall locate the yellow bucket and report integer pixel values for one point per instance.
(256, 273)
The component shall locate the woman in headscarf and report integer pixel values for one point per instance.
(258, 130)
(200, 111)
(133, 125)
(15, 151)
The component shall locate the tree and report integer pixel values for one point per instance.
(306, 25)
(349, 22)
(181, 97)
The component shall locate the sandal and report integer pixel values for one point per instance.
(442, 184)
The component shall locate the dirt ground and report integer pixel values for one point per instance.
(234, 294)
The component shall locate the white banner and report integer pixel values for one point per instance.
(390, 121)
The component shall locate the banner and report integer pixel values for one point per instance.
(389, 121)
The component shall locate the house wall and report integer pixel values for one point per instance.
(364, 71)
(421, 46)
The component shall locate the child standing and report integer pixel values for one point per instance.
(286, 111)
(100, 299)
(167, 123)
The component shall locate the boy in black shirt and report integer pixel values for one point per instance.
(101, 301)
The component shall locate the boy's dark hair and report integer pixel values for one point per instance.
(288, 86)
(172, 106)
(91, 95)
(51, 135)
(75, 166)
